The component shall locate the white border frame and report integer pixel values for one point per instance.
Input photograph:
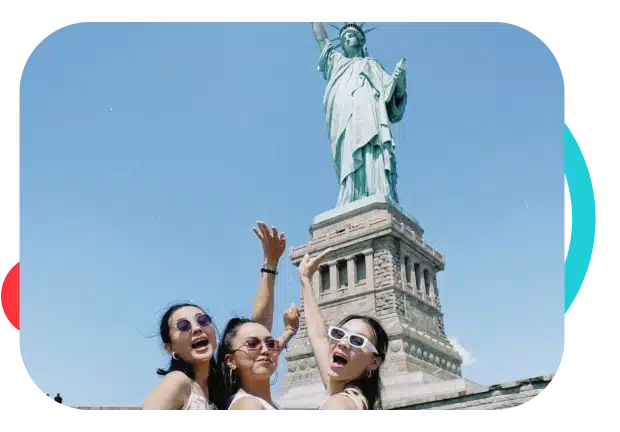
(19, 401)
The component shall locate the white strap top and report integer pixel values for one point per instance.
(198, 402)
(241, 394)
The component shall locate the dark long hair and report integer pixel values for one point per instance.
(180, 364)
(370, 386)
(229, 380)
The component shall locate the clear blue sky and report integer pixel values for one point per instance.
(215, 126)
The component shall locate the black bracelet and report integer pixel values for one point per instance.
(266, 270)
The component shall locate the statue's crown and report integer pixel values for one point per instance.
(354, 26)
(348, 26)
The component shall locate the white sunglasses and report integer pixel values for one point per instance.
(355, 340)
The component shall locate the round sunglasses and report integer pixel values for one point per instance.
(184, 325)
(355, 340)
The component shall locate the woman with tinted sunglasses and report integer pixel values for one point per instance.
(189, 336)
(248, 357)
(348, 355)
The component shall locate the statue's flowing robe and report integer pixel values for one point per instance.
(360, 103)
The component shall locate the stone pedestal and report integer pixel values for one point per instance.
(379, 266)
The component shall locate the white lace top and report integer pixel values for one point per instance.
(241, 394)
(198, 402)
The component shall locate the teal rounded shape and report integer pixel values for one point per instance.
(583, 218)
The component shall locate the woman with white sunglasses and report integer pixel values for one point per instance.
(348, 355)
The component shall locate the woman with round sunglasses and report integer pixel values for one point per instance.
(348, 355)
(189, 336)
(248, 357)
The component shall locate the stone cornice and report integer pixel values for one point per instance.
(369, 229)
(422, 337)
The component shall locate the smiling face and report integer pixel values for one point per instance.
(349, 362)
(254, 352)
(352, 41)
(192, 335)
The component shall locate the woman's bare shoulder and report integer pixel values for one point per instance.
(177, 379)
(170, 393)
(339, 401)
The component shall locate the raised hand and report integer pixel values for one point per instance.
(308, 265)
(274, 244)
(291, 319)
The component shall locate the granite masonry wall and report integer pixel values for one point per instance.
(500, 396)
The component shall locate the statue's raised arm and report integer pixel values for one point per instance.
(320, 35)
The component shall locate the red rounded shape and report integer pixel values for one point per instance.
(10, 296)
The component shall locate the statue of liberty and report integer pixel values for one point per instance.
(360, 102)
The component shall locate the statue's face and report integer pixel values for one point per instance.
(351, 42)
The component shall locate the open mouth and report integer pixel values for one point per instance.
(200, 344)
(338, 360)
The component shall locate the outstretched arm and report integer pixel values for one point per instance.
(314, 320)
(320, 35)
(273, 248)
